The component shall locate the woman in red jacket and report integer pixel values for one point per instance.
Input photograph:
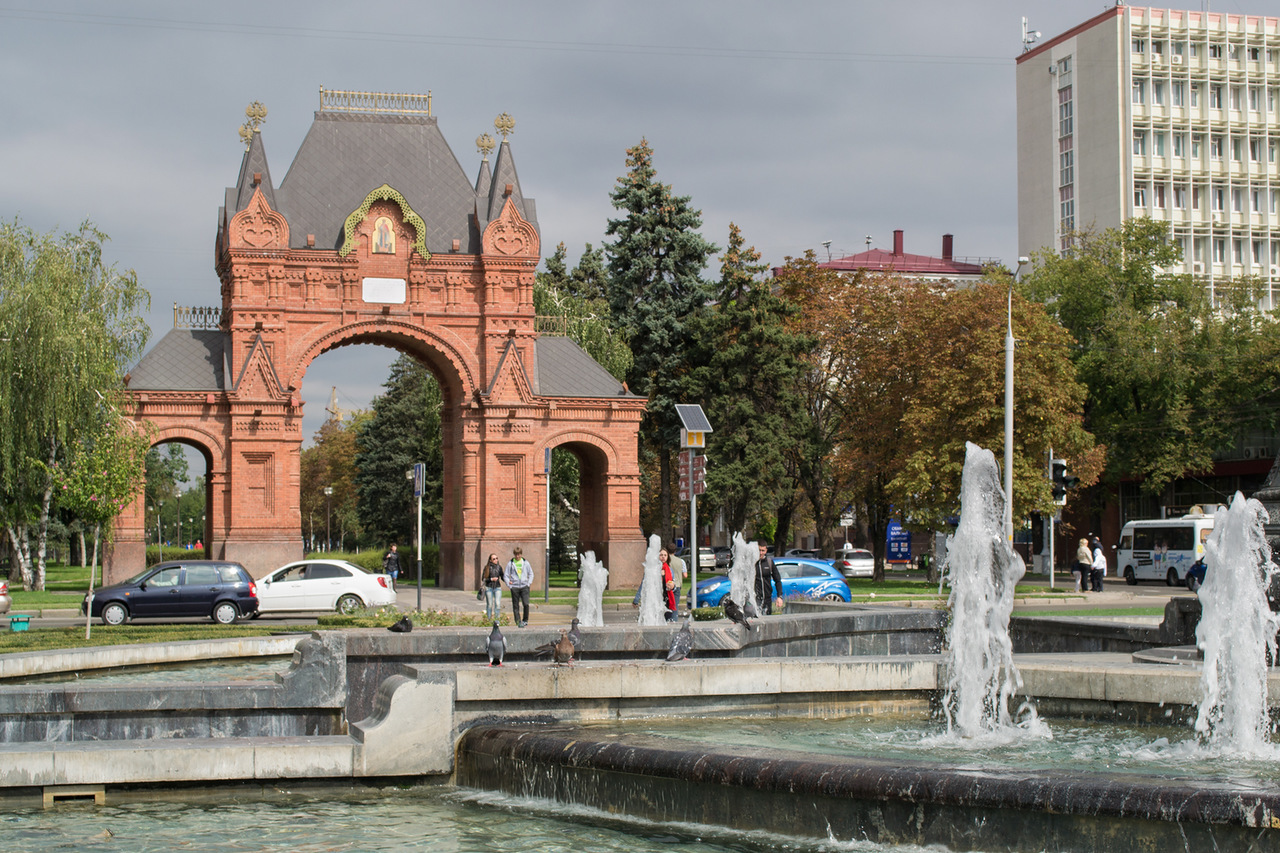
(668, 585)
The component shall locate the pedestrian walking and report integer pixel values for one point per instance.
(391, 565)
(1083, 566)
(519, 577)
(768, 578)
(491, 584)
(1098, 570)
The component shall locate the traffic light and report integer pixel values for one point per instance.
(1062, 481)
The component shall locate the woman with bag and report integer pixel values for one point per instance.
(1084, 560)
(491, 588)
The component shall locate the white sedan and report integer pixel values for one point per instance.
(323, 585)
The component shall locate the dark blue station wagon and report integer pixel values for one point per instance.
(217, 589)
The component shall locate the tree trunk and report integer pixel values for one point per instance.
(22, 553)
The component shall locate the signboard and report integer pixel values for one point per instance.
(897, 543)
(419, 475)
(386, 291)
(846, 521)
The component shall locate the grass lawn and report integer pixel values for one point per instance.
(1105, 611)
(45, 639)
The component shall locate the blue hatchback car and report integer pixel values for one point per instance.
(801, 578)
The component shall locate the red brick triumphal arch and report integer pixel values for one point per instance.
(376, 236)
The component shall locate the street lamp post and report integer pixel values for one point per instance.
(1008, 409)
(328, 518)
(160, 530)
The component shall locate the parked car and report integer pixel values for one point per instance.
(706, 558)
(220, 590)
(724, 556)
(6, 603)
(801, 578)
(810, 553)
(323, 585)
(855, 563)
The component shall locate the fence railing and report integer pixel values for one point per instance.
(197, 316)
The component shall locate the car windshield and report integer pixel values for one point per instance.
(140, 576)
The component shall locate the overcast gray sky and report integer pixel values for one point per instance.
(800, 121)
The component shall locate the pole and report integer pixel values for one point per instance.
(695, 553)
(1050, 528)
(419, 550)
(1008, 424)
(546, 571)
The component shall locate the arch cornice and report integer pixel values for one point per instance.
(439, 340)
(385, 193)
(578, 436)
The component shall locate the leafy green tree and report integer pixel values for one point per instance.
(101, 475)
(1171, 376)
(403, 429)
(749, 358)
(330, 462)
(655, 288)
(69, 327)
(166, 472)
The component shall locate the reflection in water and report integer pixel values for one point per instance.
(442, 820)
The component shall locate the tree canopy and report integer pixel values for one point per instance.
(70, 325)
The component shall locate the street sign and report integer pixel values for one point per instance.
(699, 488)
(419, 476)
(700, 463)
(684, 492)
(898, 540)
(846, 521)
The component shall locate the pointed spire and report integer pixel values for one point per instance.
(504, 175)
(484, 144)
(254, 163)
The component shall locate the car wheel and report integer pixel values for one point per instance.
(832, 596)
(115, 613)
(1171, 579)
(1129, 577)
(225, 613)
(349, 604)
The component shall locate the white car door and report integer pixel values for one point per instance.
(323, 584)
(283, 589)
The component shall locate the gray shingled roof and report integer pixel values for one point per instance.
(565, 370)
(183, 360)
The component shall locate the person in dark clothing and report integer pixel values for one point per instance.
(391, 565)
(767, 580)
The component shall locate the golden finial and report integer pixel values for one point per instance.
(256, 114)
(505, 125)
(484, 144)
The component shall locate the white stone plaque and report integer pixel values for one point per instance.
(383, 290)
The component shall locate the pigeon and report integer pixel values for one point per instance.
(497, 646)
(575, 637)
(561, 651)
(749, 609)
(404, 626)
(735, 614)
(681, 643)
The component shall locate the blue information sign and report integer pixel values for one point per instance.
(898, 543)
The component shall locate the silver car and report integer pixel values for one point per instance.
(855, 563)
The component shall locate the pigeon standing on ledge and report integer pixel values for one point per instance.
(497, 646)
(575, 637)
(735, 614)
(682, 642)
(561, 651)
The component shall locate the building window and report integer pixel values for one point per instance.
(1237, 148)
(1178, 93)
(1257, 253)
(1139, 197)
(1215, 147)
(1066, 167)
(1179, 198)
(1254, 53)
(1064, 65)
(1274, 194)
(1157, 48)
(1236, 97)
(1139, 143)
(1157, 93)
(1219, 251)
(1215, 51)
(1237, 200)
(1139, 91)
(1234, 52)
(1219, 198)
(1215, 97)
(1271, 151)
(1195, 198)
(1158, 196)
(1255, 98)
(1198, 247)
(1158, 139)
(1179, 145)
(1255, 150)
(1196, 142)
(1195, 94)
(1194, 49)
(1256, 198)
(1237, 251)
(1065, 121)
(1179, 47)
(1139, 46)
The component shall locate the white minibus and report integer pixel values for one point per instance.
(1162, 549)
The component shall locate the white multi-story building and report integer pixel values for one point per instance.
(1163, 113)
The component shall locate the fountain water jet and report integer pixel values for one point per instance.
(983, 570)
(652, 611)
(591, 592)
(742, 586)
(1237, 631)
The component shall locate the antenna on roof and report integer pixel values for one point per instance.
(868, 242)
(826, 244)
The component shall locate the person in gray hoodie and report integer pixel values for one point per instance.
(519, 577)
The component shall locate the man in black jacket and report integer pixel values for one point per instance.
(767, 580)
